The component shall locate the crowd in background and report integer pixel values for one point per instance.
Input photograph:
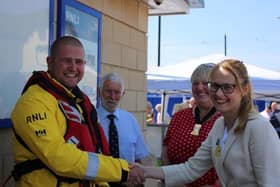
(272, 113)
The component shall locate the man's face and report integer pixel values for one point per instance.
(111, 95)
(67, 67)
(274, 106)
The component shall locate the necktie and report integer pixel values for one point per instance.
(114, 144)
(113, 137)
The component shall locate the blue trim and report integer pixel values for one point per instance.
(5, 123)
(99, 61)
(51, 24)
(61, 18)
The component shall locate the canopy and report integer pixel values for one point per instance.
(265, 82)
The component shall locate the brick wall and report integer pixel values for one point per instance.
(124, 49)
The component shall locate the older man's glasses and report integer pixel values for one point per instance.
(227, 88)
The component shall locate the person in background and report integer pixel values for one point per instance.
(266, 112)
(180, 106)
(274, 107)
(159, 117)
(185, 104)
(189, 127)
(150, 115)
(57, 140)
(275, 117)
(131, 145)
(242, 146)
(158, 109)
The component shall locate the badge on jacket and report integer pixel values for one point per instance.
(218, 148)
(196, 129)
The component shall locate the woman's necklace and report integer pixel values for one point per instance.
(198, 122)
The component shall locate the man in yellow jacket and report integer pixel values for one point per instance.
(57, 139)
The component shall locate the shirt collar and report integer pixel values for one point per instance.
(105, 113)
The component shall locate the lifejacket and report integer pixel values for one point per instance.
(83, 131)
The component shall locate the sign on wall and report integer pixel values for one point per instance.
(78, 20)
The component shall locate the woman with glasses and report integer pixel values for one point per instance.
(189, 127)
(242, 146)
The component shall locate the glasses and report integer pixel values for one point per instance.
(227, 88)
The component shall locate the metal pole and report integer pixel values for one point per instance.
(163, 100)
(225, 40)
(159, 38)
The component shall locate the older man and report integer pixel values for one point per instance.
(120, 127)
(131, 146)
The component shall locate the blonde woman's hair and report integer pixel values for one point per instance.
(240, 73)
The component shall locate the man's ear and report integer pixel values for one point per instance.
(49, 60)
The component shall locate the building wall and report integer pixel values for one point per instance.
(6, 156)
(124, 49)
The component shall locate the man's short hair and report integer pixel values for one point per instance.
(64, 40)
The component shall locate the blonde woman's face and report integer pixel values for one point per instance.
(224, 93)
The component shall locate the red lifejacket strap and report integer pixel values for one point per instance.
(90, 115)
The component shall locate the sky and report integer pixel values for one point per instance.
(252, 29)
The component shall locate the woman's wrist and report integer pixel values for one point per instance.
(153, 172)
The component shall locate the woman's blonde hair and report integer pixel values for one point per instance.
(240, 73)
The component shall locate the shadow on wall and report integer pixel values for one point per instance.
(6, 156)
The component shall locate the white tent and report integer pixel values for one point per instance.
(265, 82)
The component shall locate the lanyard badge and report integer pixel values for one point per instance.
(218, 148)
(196, 129)
(199, 122)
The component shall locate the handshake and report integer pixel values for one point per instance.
(138, 174)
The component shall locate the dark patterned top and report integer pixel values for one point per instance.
(181, 145)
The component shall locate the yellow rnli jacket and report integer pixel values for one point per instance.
(39, 122)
